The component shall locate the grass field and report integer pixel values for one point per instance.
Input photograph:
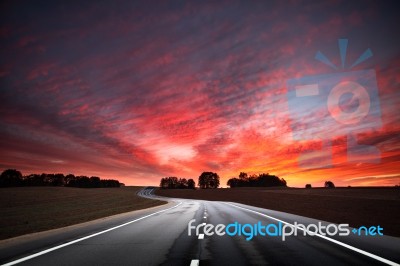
(26, 210)
(355, 206)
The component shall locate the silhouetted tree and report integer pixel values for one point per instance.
(164, 182)
(70, 180)
(169, 182)
(173, 182)
(208, 180)
(95, 181)
(182, 183)
(58, 180)
(83, 181)
(11, 178)
(308, 185)
(43, 176)
(329, 184)
(261, 180)
(34, 180)
(191, 184)
(243, 176)
(267, 180)
(233, 182)
(107, 183)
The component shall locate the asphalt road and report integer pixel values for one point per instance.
(159, 236)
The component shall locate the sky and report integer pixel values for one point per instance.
(140, 90)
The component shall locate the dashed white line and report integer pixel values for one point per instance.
(84, 238)
(201, 236)
(194, 263)
(373, 256)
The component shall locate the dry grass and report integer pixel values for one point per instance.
(26, 210)
(355, 206)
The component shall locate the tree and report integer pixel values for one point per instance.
(95, 181)
(329, 184)
(191, 184)
(261, 180)
(169, 182)
(173, 182)
(233, 182)
(182, 183)
(164, 182)
(34, 180)
(109, 183)
(58, 180)
(11, 178)
(208, 180)
(243, 176)
(308, 185)
(70, 180)
(83, 181)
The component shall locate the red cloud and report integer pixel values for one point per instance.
(141, 93)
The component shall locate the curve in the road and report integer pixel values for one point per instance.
(161, 238)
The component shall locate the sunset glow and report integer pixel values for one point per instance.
(137, 92)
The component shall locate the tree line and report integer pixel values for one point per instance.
(212, 180)
(14, 178)
(260, 180)
(175, 182)
(206, 180)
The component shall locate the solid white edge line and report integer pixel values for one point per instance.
(373, 256)
(201, 236)
(194, 263)
(83, 238)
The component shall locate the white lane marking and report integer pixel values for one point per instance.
(194, 263)
(203, 223)
(373, 256)
(201, 236)
(205, 217)
(83, 238)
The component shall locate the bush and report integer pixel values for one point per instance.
(261, 180)
(329, 184)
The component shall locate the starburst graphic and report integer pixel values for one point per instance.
(343, 50)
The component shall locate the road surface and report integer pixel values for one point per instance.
(159, 236)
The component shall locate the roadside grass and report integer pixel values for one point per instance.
(25, 210)
(355, 206)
